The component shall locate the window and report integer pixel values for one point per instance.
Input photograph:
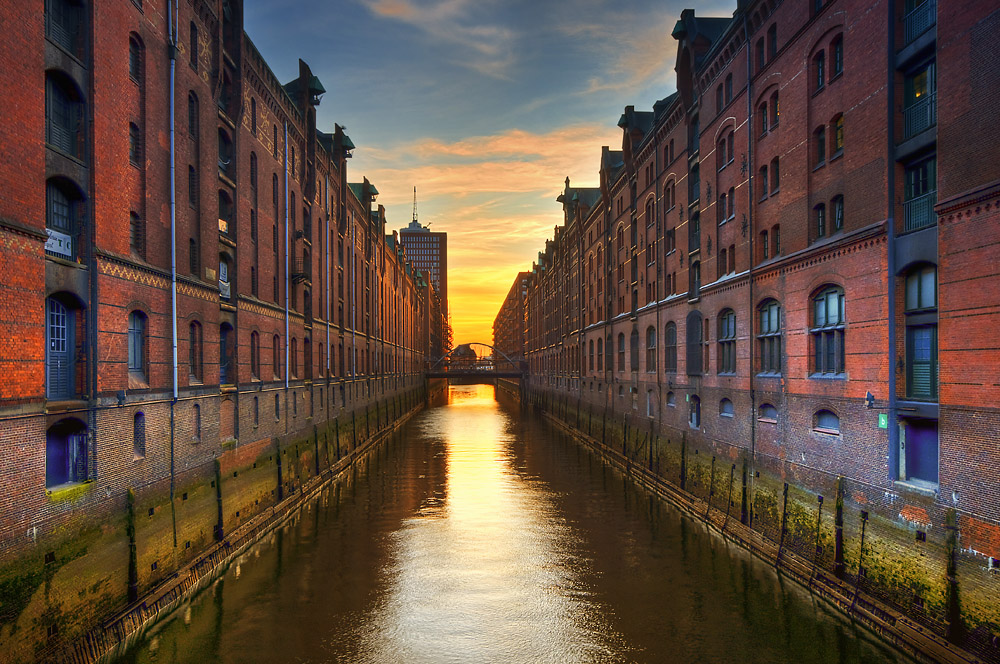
(694, 338)
(775, 113)
(66, 453)
(64, 123)
(763, 183)
(134, 144)
(192, 187)
(729, 88)
(828, 331)
(694, 412)
(767, 413)
(727, 342)
(732, 202)
(726, 408)
(775, 178)
(227, 348)
(919, 100)
(837, 138)
(837, 57)
(253, 116)
(196, 423)
(64, 25)
(763, 117)
(193, 45)
(819, 141)
(920, 195)
(274, 128)
(650, 404)
(776, 240)
(276, 356)
(134, 60)
(671, 399)
(621, 351)
(193, 256)
(772, 41)
(818, 66)
(293, 358)
(694, 288)
(760, 54)
(651, 349)
(256, 412)
(837, 206)
(765, 250)
(137, 345)
(194, 352)
(590, 354)
(826, 421)
(63, 207)
(718, 98)
(277, 408)
(819, 214)
(225, 151)
(720, 209)
(255, 355)
(193, 123)
(600, 355)
(920, 303)
(137, 235)
(138, 436)
(670, 348)
(769, 337)
(225, 212)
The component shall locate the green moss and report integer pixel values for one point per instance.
(71, 493)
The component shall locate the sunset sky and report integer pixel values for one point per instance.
(486, 106)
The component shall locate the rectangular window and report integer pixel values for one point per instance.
(921, 365)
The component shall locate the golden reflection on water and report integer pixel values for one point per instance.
(483, 578)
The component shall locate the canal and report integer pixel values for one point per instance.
(481, 534)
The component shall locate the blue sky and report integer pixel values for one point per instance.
(486, 106)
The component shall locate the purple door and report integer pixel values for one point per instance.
(922, 450)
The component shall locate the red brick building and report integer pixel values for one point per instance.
(188, 274)
(810, 219)
(508, 327)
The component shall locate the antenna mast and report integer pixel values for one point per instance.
(414, 204)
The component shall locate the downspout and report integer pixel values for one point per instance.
(326, 235)
(750, 171)
(172, 53)
(354, 302)
(288, 366)
(893, 424)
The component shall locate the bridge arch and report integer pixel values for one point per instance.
(477, 343)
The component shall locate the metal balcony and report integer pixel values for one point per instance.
(918, 212)
(919, 21)
(301, 271)
(920, 116)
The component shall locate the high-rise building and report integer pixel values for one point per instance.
(428, 252)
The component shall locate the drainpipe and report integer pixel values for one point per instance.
(750, 198)
(354, 302)
(326, 200)
(288, 366)
(894, 451)
(172, 52)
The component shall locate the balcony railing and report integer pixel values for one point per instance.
(918, 21)
(920, 116)
(301, 270)
(919, 212)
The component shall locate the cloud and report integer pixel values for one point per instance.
(487, 48)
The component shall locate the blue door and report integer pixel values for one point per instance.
(59, 350)
(922, 450)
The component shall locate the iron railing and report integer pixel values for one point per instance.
(918, 212)
(920, 116)
(919, 20)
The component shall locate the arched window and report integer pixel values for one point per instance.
(650, 403)
(729, 88)
(138, 436)
(772, 41)
(837, 57)
(769, 337)
(819, 215)
(828, 331)
(651, 349)
(137, 345)
(818, 67)
(837, 212)
(819, 143)
(293, 357)
(837, 136)
(137, 234)
(194, 352)
(255, 354)
(196, 423)
(767, 413)
(694, 337)
(775, 110)
(694, 412)
(633, 347)
(64, 115)
(193, 45)
(727, 342)
(600, 354)
(277, 408)
(671, 399)
(193, 123)
(134, 144)
(719, 102)
(726, 408)
(66, 453)
(670, 348)
(590, 354)
(227, 342)
(225, 268)
(225, 212)
(256, 412)
(621, 351)
(775, 177)
(307, 357)
(63, 217)
(253, 116)
(135, 59)
(225, 152)
(825, 421)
